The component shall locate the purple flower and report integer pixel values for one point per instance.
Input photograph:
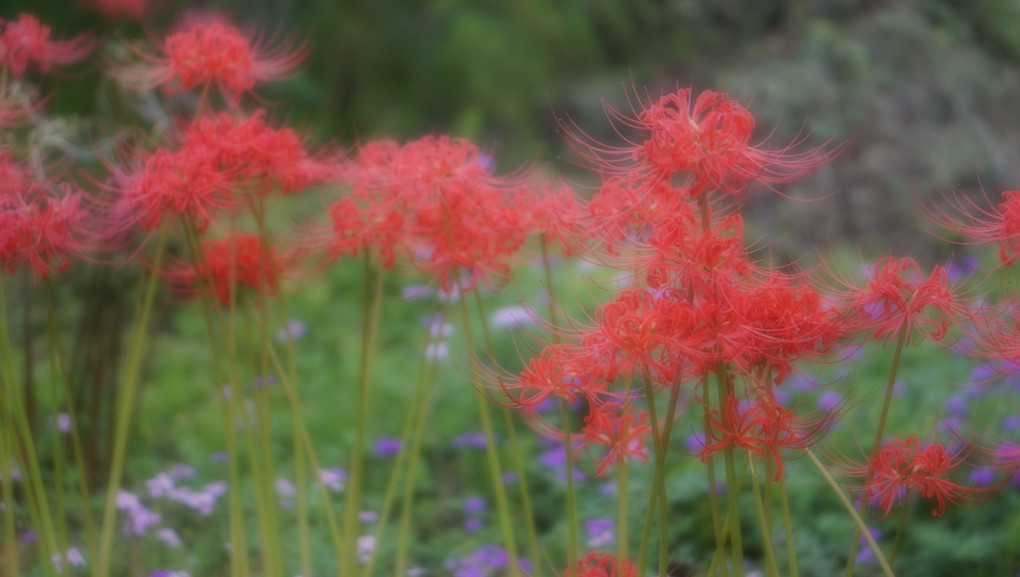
(600, 533)
(956, 406)
(1011, 423)
(982, 477)
(220, 457)
(368, 516)
(475, 440)
(169, 537)
(511, 317)
(333, 478)
(695, 442)
(28, 537)
(829, 400)
(297, 330)
(438, 351)
(474, 506)
(385, 447)
(159, 485)
(473, 525)
(865, 556)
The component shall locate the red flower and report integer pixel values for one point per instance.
(43, 229)
(619, 432)
(379, 229)
(902, 466)
(898, 298)
(595, 565)
(708, 142)
(212, 53)
(26, 41)
(982, 225)
(241, 258)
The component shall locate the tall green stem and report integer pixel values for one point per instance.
(772, 568)
(369, 328)
(901, 339)
(492, 453)
(886, 569)
(58, 361)
(736, 538)
(900, 526)
(125, 406)
(522, 479)
(791, 550)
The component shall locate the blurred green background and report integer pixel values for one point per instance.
(923, 92)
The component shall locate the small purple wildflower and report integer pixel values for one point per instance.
(297, 330)
(333, 478)
(386, 447)
(982, 477)
(511, 318)
(600, 532)
(473, 525)
(474, 440)
(829, 400)
(474, 506)
(956, 406)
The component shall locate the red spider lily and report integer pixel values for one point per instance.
(897, 298)
(556, 213)
(595, 565)
(170, 184)
(258, 156)
(763, 427)
(241, 258)
(628, 205)
(378, 229)
(783, 321)
(980, 224)
(902, 466)
(619, 431)
(212, 53)
(459, 217)
(43, 228)
(26, 41)
(559, 372)
(708, 142)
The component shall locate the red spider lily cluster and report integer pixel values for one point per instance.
(595, 565)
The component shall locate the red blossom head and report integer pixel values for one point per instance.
(26, 42)
(595, 565)
(979, 223)
(240, 261)
(213, 53)
(43, 228)
(619, 431)
(706, 143)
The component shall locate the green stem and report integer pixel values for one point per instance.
(886, 569)
(522, 480)
(901, 339)
(492, 453)
(58, 361)
(7, 484)
(791, 551)
(900, 526)
(766, 531)
(657, 496)
(418, 399)
(736, 538)
(369, 330)
(209, 307)
(125, 406)
(407, 501)
(713, 497)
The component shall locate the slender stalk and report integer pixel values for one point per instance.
(901, 339)
(622, 517)
(713, 497)
(900, 526)
(731, 475)
(418, 399)
(657, 496)
(766, 531)
(412, 465)
(369, 329)
(58, 361)
(492, 453)
(210, 308)
(10, 555)
(886, 569)
(791, 550)
(515, 450)
(22, 440)
(125, 404)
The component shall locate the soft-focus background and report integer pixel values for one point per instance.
(922, 91)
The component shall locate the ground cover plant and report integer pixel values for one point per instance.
(405, 359)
